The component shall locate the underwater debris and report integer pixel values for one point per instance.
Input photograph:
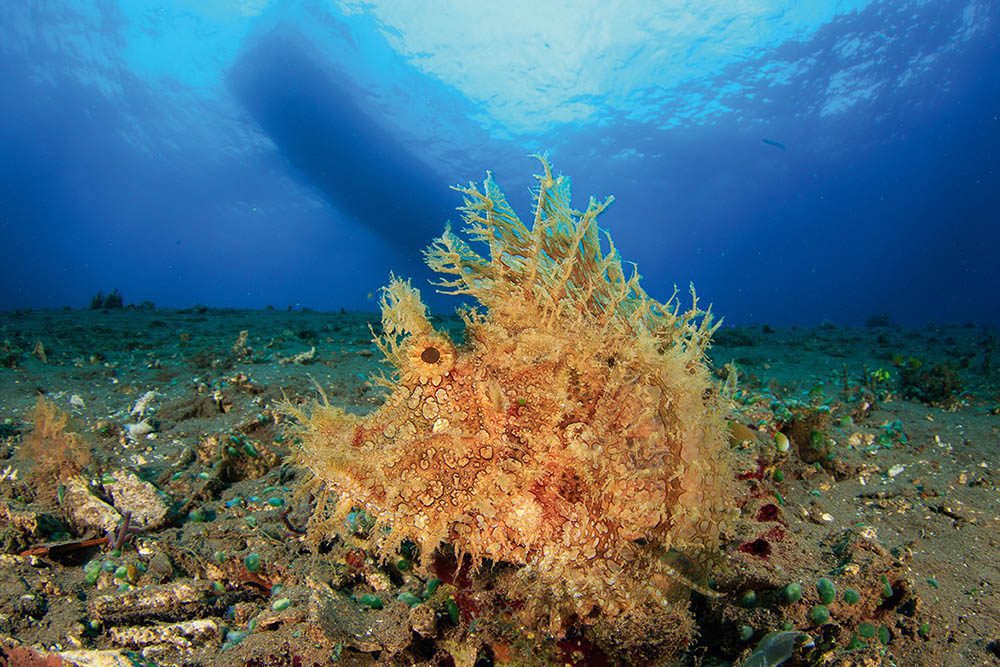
(181, 600)
(576, 435)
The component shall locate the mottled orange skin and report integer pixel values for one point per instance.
(575, 434)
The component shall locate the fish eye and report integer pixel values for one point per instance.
(430, 355)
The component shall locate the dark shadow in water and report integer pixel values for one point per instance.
(310, 112)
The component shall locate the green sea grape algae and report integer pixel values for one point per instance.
(575, 434)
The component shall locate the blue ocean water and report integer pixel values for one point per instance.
(798, 162)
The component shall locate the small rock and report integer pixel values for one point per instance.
(363, 629)
(160, 569)
(27, 521)
(869, 533)
(86, 510)
(423, 621)
(131, 494)
(896, 469)
(377, 579)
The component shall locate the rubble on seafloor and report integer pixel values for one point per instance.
(866, 532)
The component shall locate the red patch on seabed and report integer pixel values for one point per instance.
(759, 547)
(754, 474)
(768, 512)
(762, 546)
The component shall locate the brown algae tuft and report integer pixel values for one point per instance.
(575, 435)
(52, 452)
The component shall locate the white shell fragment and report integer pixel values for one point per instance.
(141, 406)
(131, 494)
(138, 431)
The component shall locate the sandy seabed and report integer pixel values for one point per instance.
(883, 509)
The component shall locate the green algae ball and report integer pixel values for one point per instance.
(234, 637)
(451, 606)
(746, 633)
(252, 562)
(827, 591)
(370, 601)
(819, 614)
(817, 440)
(886, 587)
(432, 586)
(91, 571)
(749, 599)
(851, 596)
(409, 599)
(866, 630)
(792, 593)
